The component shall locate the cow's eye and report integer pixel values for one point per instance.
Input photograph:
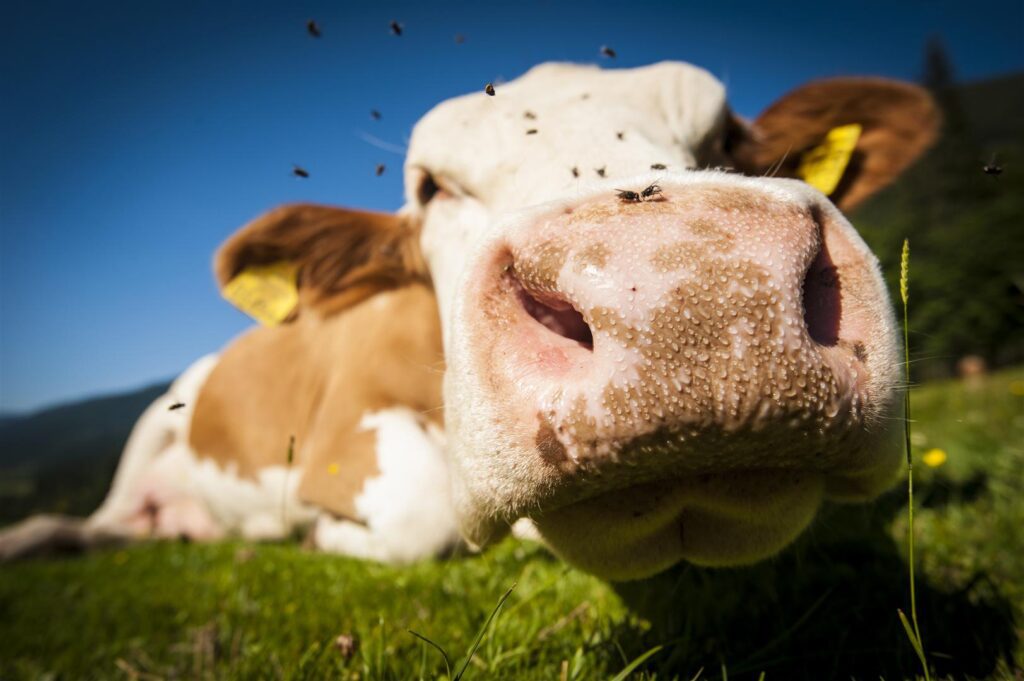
(427, 189)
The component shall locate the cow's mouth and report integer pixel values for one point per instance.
(710, 519)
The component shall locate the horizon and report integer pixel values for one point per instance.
(143, 136)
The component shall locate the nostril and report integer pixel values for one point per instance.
(555, 314)
(822, 294)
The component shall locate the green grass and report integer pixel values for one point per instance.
(824, 609)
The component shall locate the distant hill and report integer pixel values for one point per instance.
(62, 458)
(75, 430)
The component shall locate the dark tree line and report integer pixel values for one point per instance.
(965, 225)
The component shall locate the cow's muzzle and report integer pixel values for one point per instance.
(727, 329)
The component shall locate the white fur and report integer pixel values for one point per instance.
(156, 430)
(478, 147)
(406, 511)
(665, 111)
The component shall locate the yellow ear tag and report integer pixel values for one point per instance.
(822, 167)
(267, 293)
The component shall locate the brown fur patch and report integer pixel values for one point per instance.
(551, 450)
(316, 379)
(899, 121)
(344, 256)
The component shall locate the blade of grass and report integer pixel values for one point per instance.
(915, 634)
(621, 676)
(480, 635)
(447, 661)
(907, 627)
(284, 491)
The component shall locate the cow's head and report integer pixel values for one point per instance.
(685, 377)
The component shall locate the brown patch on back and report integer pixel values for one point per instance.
(336, 472)
(316, 379)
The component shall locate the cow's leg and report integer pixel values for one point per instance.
(43, 535)
(406, 511)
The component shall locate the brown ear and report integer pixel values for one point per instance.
(899, 121)
(342, 256)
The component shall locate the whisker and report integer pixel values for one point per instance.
(777, 166)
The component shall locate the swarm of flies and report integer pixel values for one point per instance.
(651, 192)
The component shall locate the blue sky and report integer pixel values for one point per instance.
(136, 136)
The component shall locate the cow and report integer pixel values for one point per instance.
(652, 340)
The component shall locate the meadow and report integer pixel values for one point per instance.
(826, 608)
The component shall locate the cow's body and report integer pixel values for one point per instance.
(361, 396)
(682, 375)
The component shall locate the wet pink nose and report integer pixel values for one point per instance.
(709, 304)
(697, 268)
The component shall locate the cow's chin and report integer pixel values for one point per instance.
(628, 522)
(714, 520)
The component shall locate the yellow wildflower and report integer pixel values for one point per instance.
(934, 457)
